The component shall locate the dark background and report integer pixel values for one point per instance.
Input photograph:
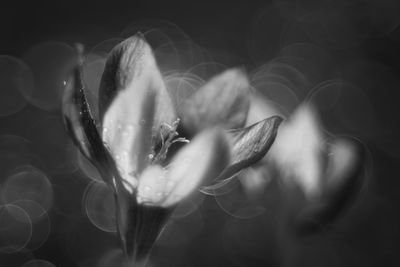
(363, 48)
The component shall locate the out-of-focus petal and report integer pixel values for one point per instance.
(260, 108)
(224, 101)
(343, 180)
(204, 158)
(248, 145)
(345, 157)
(80, 124)
(133, 103)
(298, 151)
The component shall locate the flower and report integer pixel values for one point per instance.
(320, 174)
(136, 152)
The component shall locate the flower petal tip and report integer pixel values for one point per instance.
(223, 101)
(198, 163)
(248, 146)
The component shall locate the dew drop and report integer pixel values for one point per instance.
(147, 188)
(151, 156)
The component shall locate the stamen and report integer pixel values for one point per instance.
(168, 136)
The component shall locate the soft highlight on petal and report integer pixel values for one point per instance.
(343, 181)
(224, 101)
(130, 144)
(133, 105)
(298, 151)
(344, 157)
(204, 158)
(153, 186)
(131, 66)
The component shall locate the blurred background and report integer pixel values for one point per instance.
(342, 56)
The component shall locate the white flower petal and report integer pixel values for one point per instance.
(298, 151)
(153, 186)
(344, 158)
(133, 104)
(204, 158)
(224, 101)
(261, 108)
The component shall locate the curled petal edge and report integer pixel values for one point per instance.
(248, 146)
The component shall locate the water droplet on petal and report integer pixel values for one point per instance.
(147, 188)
